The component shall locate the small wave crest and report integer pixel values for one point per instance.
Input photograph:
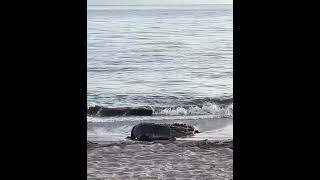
(206, 109)
(120, 100)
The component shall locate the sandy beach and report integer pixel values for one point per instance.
(183, 159)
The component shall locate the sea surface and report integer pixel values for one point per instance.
(177, 59)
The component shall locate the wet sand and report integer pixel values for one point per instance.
(160, 160)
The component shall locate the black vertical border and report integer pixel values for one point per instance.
(44, 72)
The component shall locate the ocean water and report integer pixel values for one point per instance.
(177, 59)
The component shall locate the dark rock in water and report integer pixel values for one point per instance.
(93, 110)
(89, 142)
(104, 111)
(152, 131)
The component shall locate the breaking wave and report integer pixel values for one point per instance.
(204, 106)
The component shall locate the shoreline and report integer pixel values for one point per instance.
(207, 144)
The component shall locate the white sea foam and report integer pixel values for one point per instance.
(208, 108)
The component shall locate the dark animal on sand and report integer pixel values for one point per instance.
(152, 131)
(104, 111)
